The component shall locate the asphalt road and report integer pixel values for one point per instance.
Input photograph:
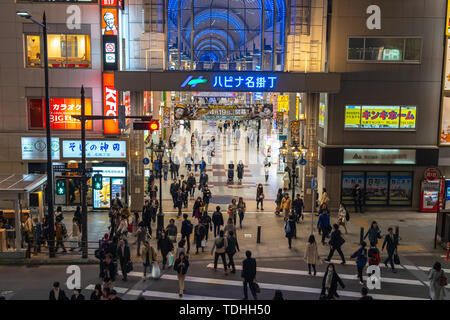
(288, 275)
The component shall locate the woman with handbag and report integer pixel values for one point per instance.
(438, 281)
(329, 284)
(165, 246)
(232, 210)
(241, 210)
(199, 236)
(181, 266)
(260, 197)
(342, 217)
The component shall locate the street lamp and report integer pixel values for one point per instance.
(51, 221)
(159, 151)
(296, 153)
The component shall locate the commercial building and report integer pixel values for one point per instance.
(363, 78)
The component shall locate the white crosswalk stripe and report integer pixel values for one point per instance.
(408, 267)
(168, 295)
(273, 286)
(321, 274)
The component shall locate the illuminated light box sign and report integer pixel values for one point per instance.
(110, 171)
(283, 103)
(110, 104)
(244, 82)
(110, 52)
(35, 148)
(95, 149)
(204, 112)
(380, 117)
(62, 110)
(379, 156)
(322, 115)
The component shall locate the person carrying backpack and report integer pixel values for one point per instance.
(186, 231)
(61, 233)
(231, 250)
(220, 245)
(374, 255)
(336, 242)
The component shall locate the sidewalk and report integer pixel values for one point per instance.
(416, 234)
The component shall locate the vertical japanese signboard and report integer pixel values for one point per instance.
(110, 104)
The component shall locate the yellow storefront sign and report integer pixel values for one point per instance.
(283, 103)
(352, 116)
(408, 117)
(380, 117)
(447, 23)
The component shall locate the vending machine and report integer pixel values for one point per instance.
(431, 191)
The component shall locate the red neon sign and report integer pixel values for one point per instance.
(109, 104)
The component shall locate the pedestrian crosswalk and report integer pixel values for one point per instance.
(204, 284)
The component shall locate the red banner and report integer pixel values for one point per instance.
(110, 104)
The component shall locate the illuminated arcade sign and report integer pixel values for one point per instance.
(62, 110)
(247, 82)
(380, 117)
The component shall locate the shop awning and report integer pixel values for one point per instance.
(13, 184)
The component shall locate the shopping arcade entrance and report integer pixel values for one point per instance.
(310, 84)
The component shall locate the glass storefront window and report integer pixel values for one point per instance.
(400, 188)
(387, 49)
(64, 51)
(380, 187)
(376, 188)
(33, 45)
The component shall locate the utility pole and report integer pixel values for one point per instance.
(84, 213)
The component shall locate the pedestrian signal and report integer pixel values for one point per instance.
(97, 182)
(61, 187)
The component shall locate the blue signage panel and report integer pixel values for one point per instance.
(146, 161)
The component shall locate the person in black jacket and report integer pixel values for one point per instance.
(174, 186)
(77, 295)
(181, 266)
(217, 220)
(191, 182)
(113, 295)
(147, 215)
(56, 293)
(202, 181)
(289, 228)
(391, 243)
(297, 205)
(364, 296)
(336, 241)
(124, 256)
(165, 245)
(330, 282)
(179, 198)
(207, 222)
(248, 274)
(97, 293)
(186, 231)
(108, 271)
(233, 245)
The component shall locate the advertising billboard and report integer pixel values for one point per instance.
(62, 110)
(95, 149)
(380, 117)
(110, 104)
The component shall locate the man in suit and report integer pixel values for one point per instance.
(335, 243)
(173, 191)
(391, 242)
(56, 293)
(248, 274)
(186, 230)
(123, 253)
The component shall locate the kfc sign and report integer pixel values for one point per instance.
(110, 104)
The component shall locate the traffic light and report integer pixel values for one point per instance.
(121, 115)
(97, 182)
(61, 187)
(150, 126)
